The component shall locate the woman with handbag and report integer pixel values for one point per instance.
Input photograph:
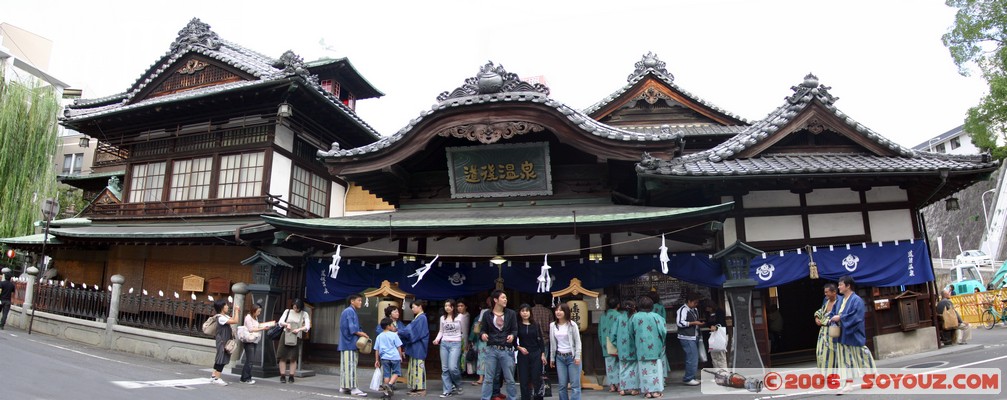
(250, 340)
(531, 353)
(222, 337)
(295, 322)
(825, 350)
(608, 350)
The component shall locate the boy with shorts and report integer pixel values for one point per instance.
(389, 349)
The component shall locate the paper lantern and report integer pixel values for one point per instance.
(578, 313)
(383, 304)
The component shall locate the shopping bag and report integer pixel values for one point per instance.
(718, 339)
(376, 380)
(702, 349)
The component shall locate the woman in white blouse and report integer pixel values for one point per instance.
(251, 340)
(565, 348)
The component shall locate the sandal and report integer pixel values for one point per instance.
(477, 383)
(648, 396)
(622, 393)
(634, 392)
(656, 395)
(612, 389)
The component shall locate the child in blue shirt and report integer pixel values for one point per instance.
(389, 349)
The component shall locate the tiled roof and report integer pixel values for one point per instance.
(652, 66)
(689, 130)
(470, 94)
(721, 160)
(197, 38)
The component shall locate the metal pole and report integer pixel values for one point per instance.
(45, 238)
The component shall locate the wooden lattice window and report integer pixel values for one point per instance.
(146, 182)
(309, 191)
(190, 179)
(241, 175)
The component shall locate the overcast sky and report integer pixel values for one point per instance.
(883, 59)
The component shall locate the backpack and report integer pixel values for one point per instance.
(210, 326)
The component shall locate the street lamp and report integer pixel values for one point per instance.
(985, 214)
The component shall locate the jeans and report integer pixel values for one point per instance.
(498, 360)
(691, 358)
(5, 310)
(529, 373)
(450, 374)
(568, 373)
(246, 370)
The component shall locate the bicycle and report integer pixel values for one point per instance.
(991, 316)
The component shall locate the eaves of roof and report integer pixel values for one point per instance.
(490, 220)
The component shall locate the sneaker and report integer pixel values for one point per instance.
(358, 392)
(250, 381)
(446, 394)
(218, 381)
(457, 391)
(290, 379)
(283, 379)
(692, 383)
(344, 391)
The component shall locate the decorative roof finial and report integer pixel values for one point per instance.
(493, 79)
(291, 62)
(809, 89)
(196, 33)
(650, 63)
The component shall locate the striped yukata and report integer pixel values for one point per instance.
(348, 369)
(825, 350)
(853, 358)
(416, 375)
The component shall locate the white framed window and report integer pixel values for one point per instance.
(73, 163)
(146, 182)
(241, 175)
(190, 179)
(309, 191)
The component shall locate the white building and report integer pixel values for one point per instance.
(955, 141)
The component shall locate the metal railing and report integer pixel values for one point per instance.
(164, 314)
(71, 300)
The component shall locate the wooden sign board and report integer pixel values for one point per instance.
(218, 285)
(192, 283)
(882, 304)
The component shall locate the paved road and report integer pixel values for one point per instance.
(43, 367)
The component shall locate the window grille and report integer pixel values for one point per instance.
(241, 175)
(147, 182)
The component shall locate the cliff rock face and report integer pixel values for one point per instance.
(965, 225)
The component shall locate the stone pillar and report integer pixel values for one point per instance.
(113, 309)
(29, 295)
(239, 289)
(744, 350)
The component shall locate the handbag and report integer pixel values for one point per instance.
(210, 326)
(230, 346)
(610, 348)
(835, 331)
(545, 390)
(950, 319)
(274, 332)
(290, 338)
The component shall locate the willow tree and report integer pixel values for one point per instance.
(28, 141)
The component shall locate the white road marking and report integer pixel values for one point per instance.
(80, 352)
(162, 383)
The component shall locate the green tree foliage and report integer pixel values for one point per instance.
(27, 143)
(978, 40)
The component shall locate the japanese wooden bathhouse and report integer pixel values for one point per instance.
(223, 152)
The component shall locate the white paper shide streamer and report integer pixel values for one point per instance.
(544, 280)
(423, 270)
(334, 267)
(664, 256)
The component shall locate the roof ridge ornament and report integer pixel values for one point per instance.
(490, 80)
(290, 62)
(196, 33)
(650, 63)
(811, 88)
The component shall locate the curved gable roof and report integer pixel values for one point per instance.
(810, 104)
(197, 40)
(650, 69)
(502, 91)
